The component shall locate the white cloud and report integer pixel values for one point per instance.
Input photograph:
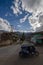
(25, 31)
(34, 21)
(4, 25)
(34, 6)
(16, 8)
(23, 19)
(19, 25)
(8, 14)
(37, 22)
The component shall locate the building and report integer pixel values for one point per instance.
(37, 38)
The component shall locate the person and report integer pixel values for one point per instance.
(32, 49)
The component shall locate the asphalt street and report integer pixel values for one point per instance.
(9, 55)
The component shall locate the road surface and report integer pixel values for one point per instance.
(9, 56)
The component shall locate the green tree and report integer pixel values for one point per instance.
(23, 37)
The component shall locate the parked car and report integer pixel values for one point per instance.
(28, 50)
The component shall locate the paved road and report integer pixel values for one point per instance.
(9, 56)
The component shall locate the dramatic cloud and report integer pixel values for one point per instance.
(41, 23)
(34, 21)
(4, 25)
(33, 6)
(37, 22)
(36, 7)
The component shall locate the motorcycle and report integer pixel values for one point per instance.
(27, 51)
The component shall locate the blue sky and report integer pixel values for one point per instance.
(7, 13)
(22, 15)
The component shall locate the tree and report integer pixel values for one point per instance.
(23, 37)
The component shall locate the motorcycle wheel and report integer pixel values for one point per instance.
(20, 54)
(36, 53)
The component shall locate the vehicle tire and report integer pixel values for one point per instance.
(37, 53)
(20, 54)
(32, 54)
